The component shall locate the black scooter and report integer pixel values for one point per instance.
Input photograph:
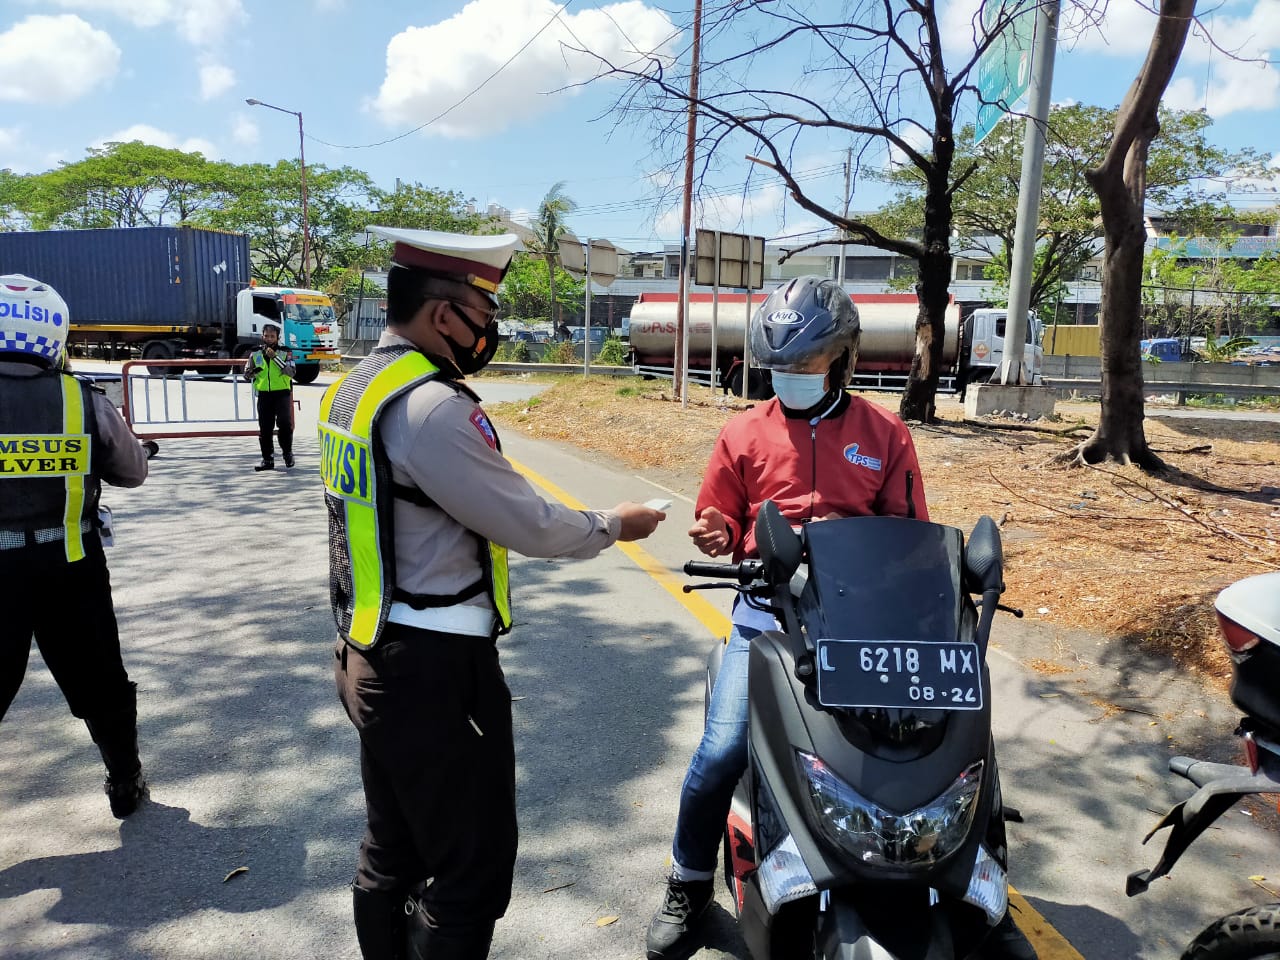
(869, 824)
(1249, 620)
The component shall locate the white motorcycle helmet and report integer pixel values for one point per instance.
(34, 321)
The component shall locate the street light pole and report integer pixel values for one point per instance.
(302, 164)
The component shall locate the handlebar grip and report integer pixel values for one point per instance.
(723, 571)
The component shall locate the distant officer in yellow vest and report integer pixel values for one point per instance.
(422, 510)
(271, 368)
(59, 438)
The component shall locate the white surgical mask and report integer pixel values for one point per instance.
(799, 391)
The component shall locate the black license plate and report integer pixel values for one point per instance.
(931, 676)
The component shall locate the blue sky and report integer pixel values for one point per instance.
(76, 73)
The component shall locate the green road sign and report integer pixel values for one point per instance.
(1004, 69)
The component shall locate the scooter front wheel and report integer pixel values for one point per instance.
(1252, 934)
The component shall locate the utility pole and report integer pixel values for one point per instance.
(844, 234)
(691, 129)
(1024, 234)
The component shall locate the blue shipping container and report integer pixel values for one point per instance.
(142, 276)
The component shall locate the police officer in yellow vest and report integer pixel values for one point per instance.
(59, 438)
(422, 510)
(271, 368)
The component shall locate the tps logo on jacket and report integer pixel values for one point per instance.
(346, 465)
(481, 423)
(860, 459)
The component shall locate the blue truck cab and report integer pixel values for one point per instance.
(1162, 350)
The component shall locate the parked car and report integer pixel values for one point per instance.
(598, 335)
(527, 336)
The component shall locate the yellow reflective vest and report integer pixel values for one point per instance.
(47, 486)
(360, 495)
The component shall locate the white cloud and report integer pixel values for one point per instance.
(244, 131)
(199, 22)
(1225, 52)
(215, 79)
(160, 138)
(54, 59)
(429, 69)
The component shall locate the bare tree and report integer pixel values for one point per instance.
(1121, 184)
(875, 76)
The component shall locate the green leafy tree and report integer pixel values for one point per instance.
(548, 230)
(266, 204)
(131, 184)
(1183, 172)
(526, 289)
(1222, 290)
(16, 192)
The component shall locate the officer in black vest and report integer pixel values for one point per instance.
(422, 510)
(59, 438)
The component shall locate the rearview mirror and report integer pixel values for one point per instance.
(984, 558)
(779, 546)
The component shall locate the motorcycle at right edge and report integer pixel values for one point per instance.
(1249, 621)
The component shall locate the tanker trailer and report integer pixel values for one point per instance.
(886, 349)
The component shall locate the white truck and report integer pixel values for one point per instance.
(971, 351)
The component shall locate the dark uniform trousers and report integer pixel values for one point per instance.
(438, 763)
(274, 411)
(67, 608)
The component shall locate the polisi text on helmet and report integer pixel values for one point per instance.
(28, 312)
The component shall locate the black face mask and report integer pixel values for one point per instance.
(472, 359)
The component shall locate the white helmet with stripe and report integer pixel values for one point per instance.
(34, 320)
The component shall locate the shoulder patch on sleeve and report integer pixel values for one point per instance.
(481, 423)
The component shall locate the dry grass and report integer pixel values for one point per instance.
(1108, 549)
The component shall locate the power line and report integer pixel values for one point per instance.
(440, 116)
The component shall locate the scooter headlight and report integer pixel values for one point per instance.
(918, 838)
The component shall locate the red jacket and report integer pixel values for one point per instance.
(857, 461)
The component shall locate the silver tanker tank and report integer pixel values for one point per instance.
(888, 330)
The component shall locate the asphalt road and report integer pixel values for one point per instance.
(219, 577)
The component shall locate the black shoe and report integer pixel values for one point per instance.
(125, 795)
(1007, 942)
(288, 459)
(265, 465)
(671, 929)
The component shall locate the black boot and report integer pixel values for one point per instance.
(380, 923)
(1007, 942)
(427, 942)
(267, 464)
(116, 736)
(672, 927)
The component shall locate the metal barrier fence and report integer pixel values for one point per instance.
(176, 404)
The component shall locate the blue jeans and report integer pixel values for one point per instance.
(718, 763)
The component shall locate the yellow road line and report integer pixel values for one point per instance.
(1049, 943)
(711, 618)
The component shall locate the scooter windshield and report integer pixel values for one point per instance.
(883, 578)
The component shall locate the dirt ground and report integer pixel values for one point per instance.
(1110, 549)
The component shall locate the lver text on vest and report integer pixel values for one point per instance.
(44, 455)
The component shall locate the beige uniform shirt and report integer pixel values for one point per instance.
(440, 441)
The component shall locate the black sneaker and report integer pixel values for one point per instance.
(265, 465)
(125, 795)
(1007, 942)
(671, 929)
(288, 459)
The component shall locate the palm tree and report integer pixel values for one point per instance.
(548, 228)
